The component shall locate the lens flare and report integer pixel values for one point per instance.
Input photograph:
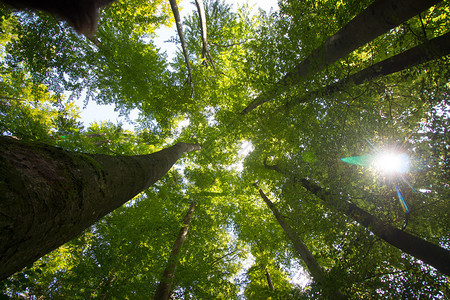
(390, 163)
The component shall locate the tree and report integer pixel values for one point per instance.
(234, 240)
(63, 193)
(312, 264)
(205, 46)
(163, 290)
(435, 48)
(429, 253)
(83, 16)
(176, 14)
(379, 17)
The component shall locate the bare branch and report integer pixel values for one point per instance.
(202, 16)
(176, 14)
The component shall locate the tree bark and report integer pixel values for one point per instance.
(176, 15)
(48, 196)
(430, 50)
(206, 55)
(376, 19)
(311, 263)
(269, 281)
(423, 250)
(163, 290)
(313, 266)
(82, 15)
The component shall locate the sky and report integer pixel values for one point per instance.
(97, 113)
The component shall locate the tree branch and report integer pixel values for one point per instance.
(202, 16)
(176, 14)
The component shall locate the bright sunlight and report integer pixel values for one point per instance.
(390, 163)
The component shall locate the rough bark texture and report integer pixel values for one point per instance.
(48, 196)
(432, 49)
(306, 255)
(378, 18)
(176, 15)
(163, 290)
(427, 252)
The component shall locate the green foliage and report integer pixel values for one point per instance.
(234, 239)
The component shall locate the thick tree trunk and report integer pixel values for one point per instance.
(378, 18)
(82, 15)
(48, 196)
(163, 290)
(206, 55)
(306, 255)
(435, 48)
(176, 15)
(427, 252)
(269, 281)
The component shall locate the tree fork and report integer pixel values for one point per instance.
(205, 48)
(376, 19)
(48, 196)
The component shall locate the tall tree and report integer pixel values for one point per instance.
(206, 55)
(82, 15)
(313, 266)
(121, 254)
(432, 49)
(429, 253)
(163, 290)
(379, 17)
(269, 281)
(49, 196)
(176, 14)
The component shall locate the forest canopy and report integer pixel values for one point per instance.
(291, 109)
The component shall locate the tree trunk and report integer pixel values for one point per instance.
(376, 19)
(306, 255)
(206, 55)
(269, 281)
(163, 290)
(176, 14)
(427, 252)
(432, 49)
(311, 263)
(48, 196)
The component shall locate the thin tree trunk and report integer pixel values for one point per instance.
(432, 49)
(427, 252)
(163, 290)
(376, 19)
(269, 281)
(311, 263)
(48, 196)
(176, 14)
(205, 47)
(306, 255)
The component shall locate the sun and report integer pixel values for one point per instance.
(391, 163)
